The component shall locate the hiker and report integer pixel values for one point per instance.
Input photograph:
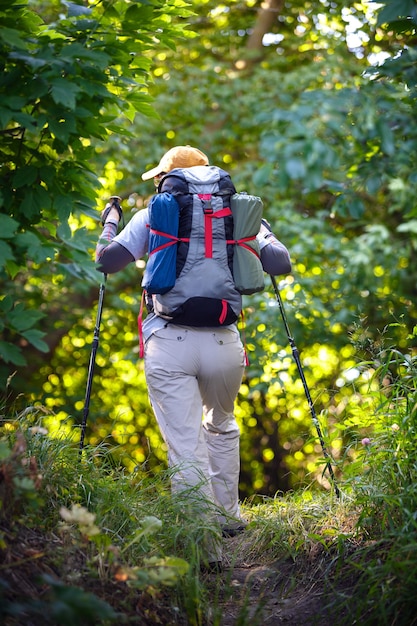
(193, 372)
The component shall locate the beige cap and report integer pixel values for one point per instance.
(180, 156)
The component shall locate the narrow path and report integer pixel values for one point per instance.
(277, 593)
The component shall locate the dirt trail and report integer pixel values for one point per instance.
(261, 596)
(279, 593)
(248, 593)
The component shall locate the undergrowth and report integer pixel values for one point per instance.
(82, 541)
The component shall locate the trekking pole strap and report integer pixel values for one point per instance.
(114, 203)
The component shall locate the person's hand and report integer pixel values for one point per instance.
(112, 211)
(265, 229)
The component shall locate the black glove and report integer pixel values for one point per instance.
(113, 203)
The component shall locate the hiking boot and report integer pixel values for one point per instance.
(233, 531)
(214, 567)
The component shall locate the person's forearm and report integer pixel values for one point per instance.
(111, 257)
(108, 233)
(275, 258)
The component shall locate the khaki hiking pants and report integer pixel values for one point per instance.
(193, 377)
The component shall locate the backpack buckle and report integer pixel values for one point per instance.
(206, 202)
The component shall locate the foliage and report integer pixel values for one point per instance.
(388, 486)
(64, 605)
(67, 86)
(383, 479)
(360, 547)
(146, 544)
(302, 119)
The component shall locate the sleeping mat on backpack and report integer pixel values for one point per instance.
(247, 269)
(160, 272)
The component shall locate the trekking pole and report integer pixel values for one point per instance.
(92, 360)
(114, 202)
(296, 356)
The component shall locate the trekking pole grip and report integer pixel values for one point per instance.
(114, 203)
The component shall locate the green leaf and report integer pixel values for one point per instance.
(180, 565)
(64, 92)
(12, 37)
(355, 207)
(25, 175)
(76, 50)
(64, 205)
(30, 60)
(262, 175)
(64, 231)
(11, 354)
(138, 13)
(147, 110)
(6, 116)
(5, 451)
(8, 227)
(85, 25)
(94, 128)
(395, 10)
(119, 130)
(63, 128)
(26, 120)
(21, 318)
(34, 337)
(28, 206)
(13, 268)
(76, 10)
(71, 605)
(387, 137)
(6, 253)
(6, 303)
(31, 20)
(373, 184)
(13, 102)
(46, 32)
(49, 226)
(295, 168)
(35, 248)
(26, 484)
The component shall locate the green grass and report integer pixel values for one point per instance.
(84, 541)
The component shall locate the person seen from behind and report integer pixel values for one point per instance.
(193, 373)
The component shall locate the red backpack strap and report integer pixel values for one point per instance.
(172, 240)
(140, 326)
(243, 243)
(209, 214)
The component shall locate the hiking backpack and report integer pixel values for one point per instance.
(203, 252)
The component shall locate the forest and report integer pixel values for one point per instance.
(309, 105)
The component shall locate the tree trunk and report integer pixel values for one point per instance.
(265, 23)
